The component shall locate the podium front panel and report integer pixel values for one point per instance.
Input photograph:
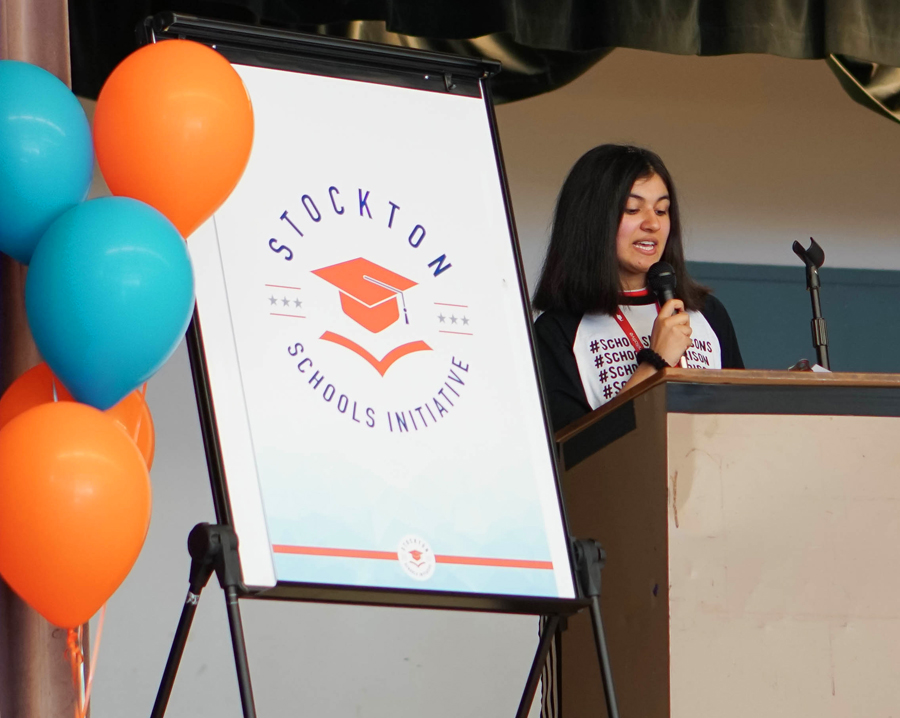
(783, 565)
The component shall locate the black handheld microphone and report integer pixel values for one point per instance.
(662, 280)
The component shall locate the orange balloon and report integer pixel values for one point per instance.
(37, 385)
(74, 509)
(173, 128)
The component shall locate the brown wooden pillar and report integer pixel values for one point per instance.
(35, 678)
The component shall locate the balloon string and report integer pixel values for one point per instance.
(94, 654)
(76, 660)
(81, 669)
(137, 428)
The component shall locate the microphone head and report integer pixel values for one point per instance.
(662, 280)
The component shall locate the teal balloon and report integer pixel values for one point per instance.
(108, 295)
(46, 155)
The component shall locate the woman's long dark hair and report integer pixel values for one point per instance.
(581, 270)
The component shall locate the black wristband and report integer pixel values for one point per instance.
(652, 358)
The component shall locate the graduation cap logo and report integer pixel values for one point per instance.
(369, 296)
(368, 292)
(416, 558)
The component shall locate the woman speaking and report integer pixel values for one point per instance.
(601, 329)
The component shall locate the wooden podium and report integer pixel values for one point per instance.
(752, 524)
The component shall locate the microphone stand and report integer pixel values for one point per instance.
(813, 258)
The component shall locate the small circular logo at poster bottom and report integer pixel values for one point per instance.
(416, 558)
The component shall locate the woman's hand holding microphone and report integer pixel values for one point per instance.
(669, 339)
(671, 335)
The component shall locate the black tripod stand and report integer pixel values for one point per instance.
(212, 548)
(590, 558)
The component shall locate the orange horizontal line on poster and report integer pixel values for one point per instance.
(295, 316)
(444, 304)
(282, 286)
(465, 334)
(501, 562)
(392, 556)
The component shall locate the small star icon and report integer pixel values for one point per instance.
(452, 319)
(272, 300)
(298, 303)
(285, 301)
(465, 322)
(441, 318)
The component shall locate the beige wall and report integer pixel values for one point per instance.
(764, 150)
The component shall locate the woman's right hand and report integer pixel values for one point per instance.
(671, 335)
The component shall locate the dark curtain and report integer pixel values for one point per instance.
(542, 44)
(871, 84)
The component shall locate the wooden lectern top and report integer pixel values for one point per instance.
(757, 391)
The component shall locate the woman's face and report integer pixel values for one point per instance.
(643, 231)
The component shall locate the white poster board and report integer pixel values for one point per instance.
(368, 351)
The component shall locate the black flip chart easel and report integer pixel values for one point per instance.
(215, 548)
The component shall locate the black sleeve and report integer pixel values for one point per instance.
(718, 319)
(554, 334)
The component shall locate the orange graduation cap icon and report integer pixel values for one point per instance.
(368, 292)
(369, 296)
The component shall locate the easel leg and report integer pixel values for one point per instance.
(612, 708)
(589, 561)
(240, 652)
(212, 548)
(175, 653)
(537, 666)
